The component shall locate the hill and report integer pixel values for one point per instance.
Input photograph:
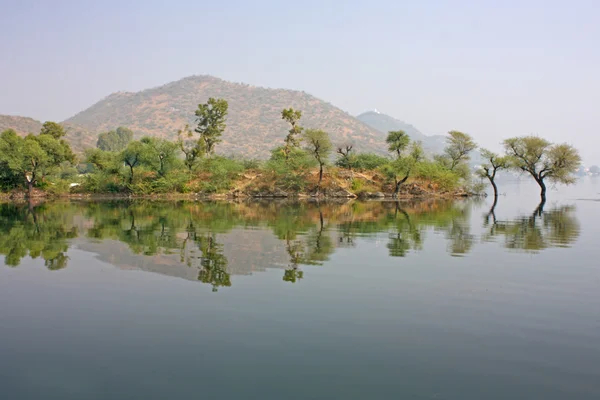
(22, 125)
(79, 138)
(254, 124)
(384, 123)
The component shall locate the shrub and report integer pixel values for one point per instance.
(362, 161)
(438, 174)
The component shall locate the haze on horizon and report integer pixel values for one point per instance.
(492, 69)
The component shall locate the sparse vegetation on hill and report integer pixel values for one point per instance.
(254, 117)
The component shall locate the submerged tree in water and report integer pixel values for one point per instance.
(543, 160)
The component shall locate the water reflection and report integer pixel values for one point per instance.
(540, 230)
(212, 241)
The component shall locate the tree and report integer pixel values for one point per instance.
(160, 154)
(115, 140)
(397, 142)
(401, 168)
(53, 129)
(192, 149)
(33, 157)
(291, 140)
(132, 156)
(459, 146)
(543, 160)
(345, 156)
(211, 118)
(493, 164)
(319, 145)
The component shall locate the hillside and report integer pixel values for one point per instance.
(79, 138)
(22, 125)
(254, 125)
(384, 123)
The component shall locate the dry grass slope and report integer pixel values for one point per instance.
(254, 125)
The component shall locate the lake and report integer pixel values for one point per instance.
(303, 300)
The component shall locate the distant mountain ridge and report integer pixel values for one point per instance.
(79, 138)
(254, 124)
(384, 123)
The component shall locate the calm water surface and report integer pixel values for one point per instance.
(276, 300)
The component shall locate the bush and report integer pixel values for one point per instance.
(222, 172)
(362, 161)
(437, 174)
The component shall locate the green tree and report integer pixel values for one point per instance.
(115, 140)
(53, 129)
(211, 118)
(133, 155)
(493, 163)
(33, 157)
(292, 139)
(160, 154)
(397, 142)
(192, 149)
(543, 160)
(400, 169)
(460, 145)
(319, 145)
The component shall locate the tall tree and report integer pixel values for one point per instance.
(319, 145)
(292, 139)
(211, 118)
(397, 142)
(493, 163)
(133, 156)
(401, 168)
(53, 129)
(460, 145)
(543, 160)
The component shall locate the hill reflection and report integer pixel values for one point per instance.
(211, 241)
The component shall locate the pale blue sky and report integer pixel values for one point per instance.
(490, 68)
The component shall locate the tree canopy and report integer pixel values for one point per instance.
(211, 122)
(115, 140)
(543, 160)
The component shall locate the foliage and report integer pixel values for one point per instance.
(115, 140)
(319, 145)
(192, 150)
(32, 158)
(52, 129)
(460, 145)
(362, 161)
(400, 169)
(222, 171)
(543, 160)
(437, 174)
(397, 142)
(292, 140)
(160, 154)
(493, 163)
(210, 120)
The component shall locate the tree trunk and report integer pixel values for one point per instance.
(399, 184)
(320, 173)
(29, 189)
(131, 174)
(542, 184)
(494, 186)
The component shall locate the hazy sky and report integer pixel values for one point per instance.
(489, 68)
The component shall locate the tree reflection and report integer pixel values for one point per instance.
(538, 231)
(34, 231)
